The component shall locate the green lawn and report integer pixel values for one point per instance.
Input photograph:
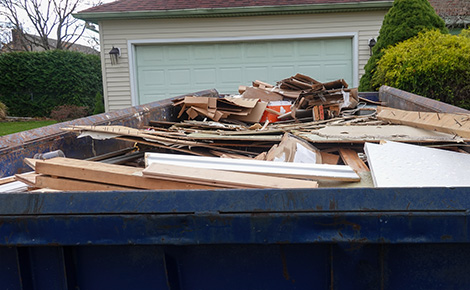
(13, 127)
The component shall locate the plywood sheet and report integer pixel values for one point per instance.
(443, 122)
(396, 164)
(359, 133)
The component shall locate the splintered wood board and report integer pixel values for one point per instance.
(223, 178)
(351, 158)
(107, 173)
(361, 134)
(458, 124)
(281, 169)
(395, 164)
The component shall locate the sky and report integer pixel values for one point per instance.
(85, 39)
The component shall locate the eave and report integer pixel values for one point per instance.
(237, 11)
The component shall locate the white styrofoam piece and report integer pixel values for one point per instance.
(396, 164)
(15, 186)
(319, 171)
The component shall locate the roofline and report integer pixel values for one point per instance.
(236, 11)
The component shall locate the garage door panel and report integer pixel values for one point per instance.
(179, 53)
(256, 51)
(205, 76)
(282, 49)
(310, 51)
(230, 75)
(229, 52)
(335, 71)
(203, 52)
(179, 77)
(337, 47)
(168, 70)
(153, 78)
(279, 72)
(252, 73)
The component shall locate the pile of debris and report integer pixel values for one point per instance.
(299, 133)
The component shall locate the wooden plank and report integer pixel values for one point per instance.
(66, 184)
(458, 124)
(29, 178)
(6, 180)
(225, 178)
(107, 173)
(328, 158)
(351, 158)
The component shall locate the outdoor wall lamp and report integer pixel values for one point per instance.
(372, 43)
(114, 54)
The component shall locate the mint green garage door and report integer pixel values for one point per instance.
(169, 70)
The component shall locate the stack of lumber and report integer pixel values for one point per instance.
(164, 173)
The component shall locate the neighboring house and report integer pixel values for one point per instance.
(173, 47)
(456, 13)
(18, 42)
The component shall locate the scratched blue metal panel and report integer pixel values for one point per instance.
(130, 267)
(42, 267)
(9, 271)
(245, 266)
(15, 147)
(406, 215)
(427, 266)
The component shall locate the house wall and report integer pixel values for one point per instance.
(119, 33)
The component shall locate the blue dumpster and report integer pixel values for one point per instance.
(335, 238)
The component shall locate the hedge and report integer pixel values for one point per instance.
(34, 83)
(432, 64)
(404, 20)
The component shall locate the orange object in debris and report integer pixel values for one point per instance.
(279, 106)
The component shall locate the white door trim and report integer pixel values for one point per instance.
(131, 44)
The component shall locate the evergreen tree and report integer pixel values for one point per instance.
(404, 20)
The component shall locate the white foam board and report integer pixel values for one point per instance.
(395, 164)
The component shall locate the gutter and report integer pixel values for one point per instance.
(237, 11)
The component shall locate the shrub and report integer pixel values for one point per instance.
(404, 20)
(33, 83)
(99, 104)
(68, 112)
(432, 64)
(3, 111)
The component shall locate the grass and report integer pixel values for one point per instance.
(14, 127)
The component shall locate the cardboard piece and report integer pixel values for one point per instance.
(293, 149)
(243, 109)
(263, 95)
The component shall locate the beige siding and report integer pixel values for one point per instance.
(117, 33)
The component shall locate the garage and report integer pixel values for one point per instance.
(167, 69)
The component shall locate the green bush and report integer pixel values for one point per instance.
(33, 83)
(99, 104)
(432, 64)
(404, 20)
(3, 110)
(68, 112)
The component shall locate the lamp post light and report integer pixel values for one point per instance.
(114, 54)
